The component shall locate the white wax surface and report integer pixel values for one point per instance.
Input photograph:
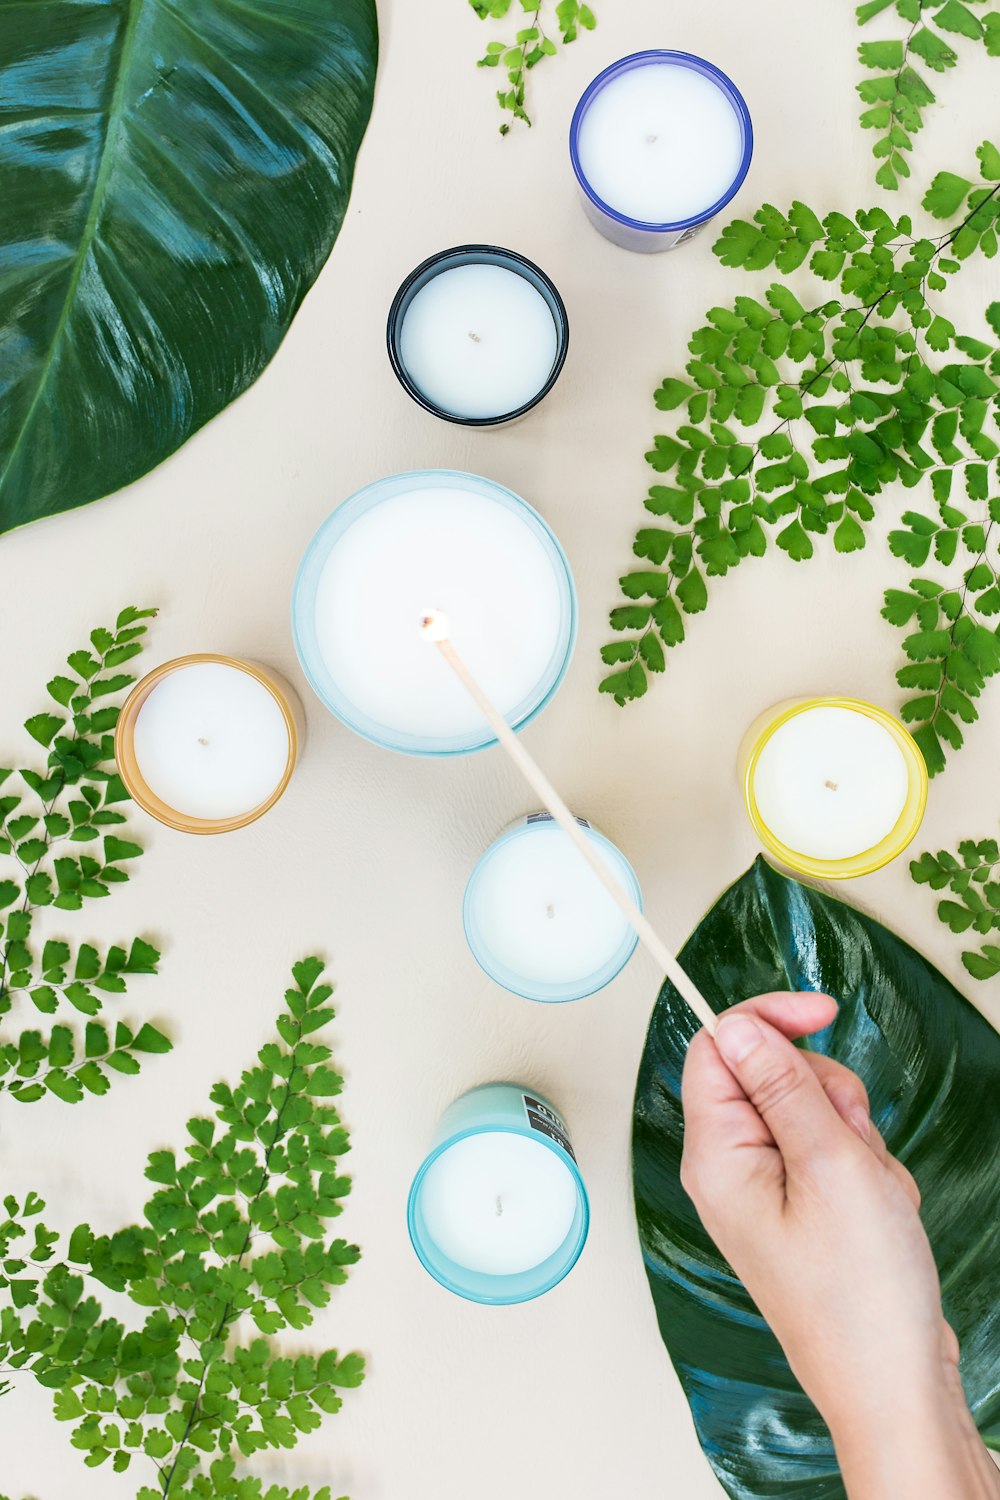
(540, 912)
(211, 741)
(498, 1203)
(831, 783)
(661, 143)
(478, 341)
(452, 550)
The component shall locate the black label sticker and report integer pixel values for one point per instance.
(545, 817)
(547, 1122)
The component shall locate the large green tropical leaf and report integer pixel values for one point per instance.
(173, 174)
(932, 1067)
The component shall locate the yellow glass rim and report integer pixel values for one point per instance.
(135, 783)
(899, 837)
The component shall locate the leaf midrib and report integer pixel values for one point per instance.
(115, 116)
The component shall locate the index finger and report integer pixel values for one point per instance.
(718, 1116)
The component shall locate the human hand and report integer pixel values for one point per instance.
(795, 1186)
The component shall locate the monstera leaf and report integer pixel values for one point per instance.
(932, 1067)
(172, 177)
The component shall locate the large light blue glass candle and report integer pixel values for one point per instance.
(498, 1211)
(660, 143)
(433, 540)
(537, 918)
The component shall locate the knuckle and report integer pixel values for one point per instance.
(693, 1177)
(691, 1061)
(775, 1086)
(841, 1164)
(909, 1183)
(842, 1153)
(695, 1056)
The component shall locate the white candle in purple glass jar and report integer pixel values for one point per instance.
(660, 143)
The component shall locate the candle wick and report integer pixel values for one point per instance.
(550, 910)
(474, 337)
(832, 785)
(652, 139)
(499, 1207)
(202, 741)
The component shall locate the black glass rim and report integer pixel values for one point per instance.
(475, 255)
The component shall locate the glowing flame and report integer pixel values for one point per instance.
(434, 626)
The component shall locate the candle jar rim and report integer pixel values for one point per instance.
(517, 984)
(866, 861)
(670, 57)
(303, 609)
(434, 266)
(503, 1290)
(136, 784)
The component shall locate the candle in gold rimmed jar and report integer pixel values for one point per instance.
(834, 787)
(207, 744)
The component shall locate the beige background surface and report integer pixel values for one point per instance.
(365, 860)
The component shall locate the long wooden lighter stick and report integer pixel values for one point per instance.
(435, 629)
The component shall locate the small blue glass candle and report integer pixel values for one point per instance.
(498, 1212)
(433, 540)
(538, 920)
(478, 335)
(660, 143)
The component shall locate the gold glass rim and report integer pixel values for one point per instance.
(903, 831)
(135, 783)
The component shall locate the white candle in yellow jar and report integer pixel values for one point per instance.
(834, 787)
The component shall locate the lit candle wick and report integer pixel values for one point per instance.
(652, 139)
(434, 625)
(550, 910)
(832, 785)
(202, 741)
(474, 337)
(499, 1207)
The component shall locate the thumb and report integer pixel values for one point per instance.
(782, 1087)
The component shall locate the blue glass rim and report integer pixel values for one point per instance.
(515, 984)
(304, 611)
(522, 1286)
(447, 260)
(679, 59)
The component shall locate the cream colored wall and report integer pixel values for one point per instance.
(571, 1397)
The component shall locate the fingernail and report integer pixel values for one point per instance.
(860, 1119)
(737, 1036)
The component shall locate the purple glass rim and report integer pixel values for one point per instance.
(677, 59)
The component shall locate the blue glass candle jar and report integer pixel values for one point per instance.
(478, 335)
(433, 540)
(498, 1212)
(537, 919)
(660, 142)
